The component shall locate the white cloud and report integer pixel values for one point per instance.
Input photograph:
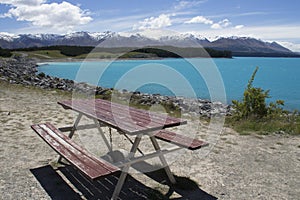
(221, 24)
(199, 19)
(273, 33)
(22, 2)
(239, 26)
(161, 21)
(290, 45)
(181, 5)
(54, 16)
(214, 25)
(187, 4)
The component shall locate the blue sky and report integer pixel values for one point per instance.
(265, 19)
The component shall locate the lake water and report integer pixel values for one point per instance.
(215, 79)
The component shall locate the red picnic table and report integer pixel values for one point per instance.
(127, 121)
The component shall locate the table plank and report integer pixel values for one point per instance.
(127, 119)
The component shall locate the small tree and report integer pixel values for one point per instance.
(254, 102)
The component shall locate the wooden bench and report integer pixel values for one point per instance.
(180, 140)
(76, 155)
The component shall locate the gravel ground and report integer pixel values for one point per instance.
(237, 167)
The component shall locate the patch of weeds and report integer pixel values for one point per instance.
(266, 126)
(245, 132)
(263, 132)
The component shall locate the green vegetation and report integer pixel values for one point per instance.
(253, 114)
(254, 103)
(187, 52)
(135, 54)
(99, 55)
(57, 51)
(122, 52)
(42, 75)
(5, 53)
(44, 54)
(74, 51)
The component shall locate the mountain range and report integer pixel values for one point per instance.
(243, 46)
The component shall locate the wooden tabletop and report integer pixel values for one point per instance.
(123, 118)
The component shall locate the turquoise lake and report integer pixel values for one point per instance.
(205, 78)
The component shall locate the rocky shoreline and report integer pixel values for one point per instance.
(21, 70)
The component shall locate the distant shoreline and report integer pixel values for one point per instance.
(70, 59)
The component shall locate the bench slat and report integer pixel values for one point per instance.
(180, 140)
(100, 161)
(87, 163)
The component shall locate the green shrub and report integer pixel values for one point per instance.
(253, 114)
(42, 75)
(254, 102)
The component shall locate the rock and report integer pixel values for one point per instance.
(206, 107)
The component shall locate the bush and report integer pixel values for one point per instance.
(254, 103)
(253, 114)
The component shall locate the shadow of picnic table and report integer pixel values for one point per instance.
(78, 186)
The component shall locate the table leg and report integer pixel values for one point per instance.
(126, 168)
(163, 160)
(72, 131)
(109, 146)
(75, 125)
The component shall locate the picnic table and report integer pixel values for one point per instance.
(126, 120)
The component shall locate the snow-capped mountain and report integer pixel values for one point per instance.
(238, 45)
(11, 41)
(247, 44)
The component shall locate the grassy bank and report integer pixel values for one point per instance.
(289, 124)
